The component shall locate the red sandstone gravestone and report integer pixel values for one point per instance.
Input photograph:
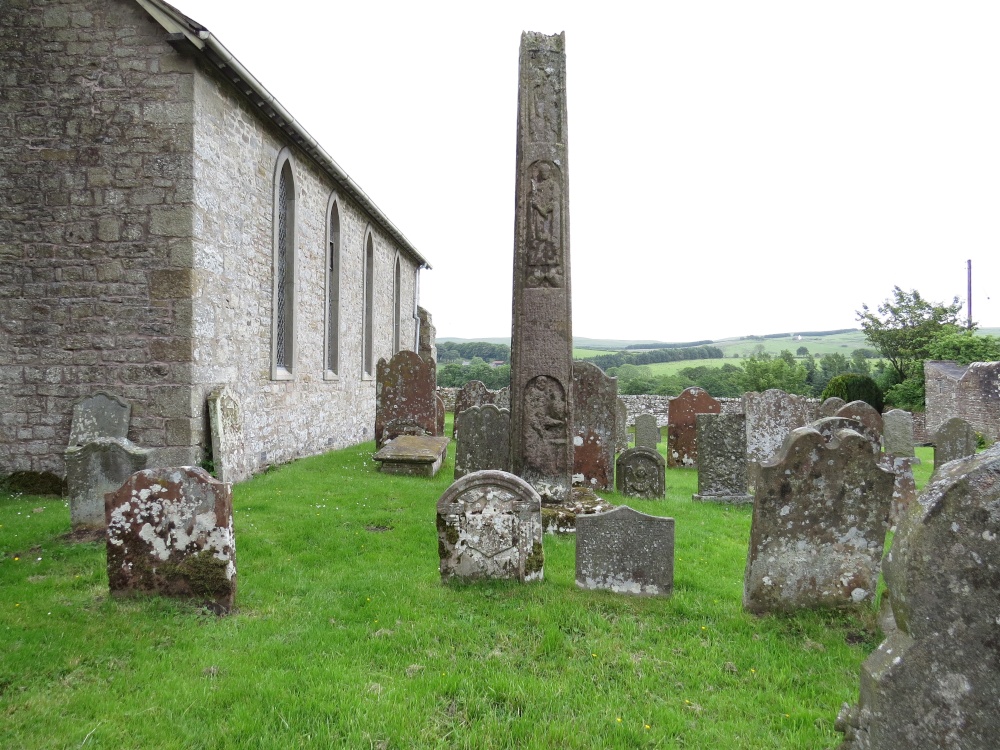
(405, 397)
(682, 427)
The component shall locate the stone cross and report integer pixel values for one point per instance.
(541, 373)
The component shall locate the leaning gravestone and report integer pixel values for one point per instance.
(935, 680)
(473, 393)
(541, 372)
(625, 551)
(490, 526)
(647, 433)
(819, 524)
(641, 472)
(770, 416)
(95, 468)
(897, 434)
(954, 439)
(170, 531)
(595, 400)
(99, 416)
(228, 442)
(722, 463)
(482, 440)
(621, 426)
(830, 406)
(405, 397)
(682, 427)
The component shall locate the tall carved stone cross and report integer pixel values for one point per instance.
(542, 330)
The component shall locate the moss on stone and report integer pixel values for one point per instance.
(204, 573)
(535, 561)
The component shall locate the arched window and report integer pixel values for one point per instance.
(397, 303)
(283, 310)
(332, 340)
(369, 312)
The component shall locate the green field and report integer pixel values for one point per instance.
(344, 637)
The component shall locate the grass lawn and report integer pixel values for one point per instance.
(345, 637)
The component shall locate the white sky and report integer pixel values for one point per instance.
(735, 167)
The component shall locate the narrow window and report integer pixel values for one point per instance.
(283, 324)
(397, 303)
(333, 291)
(369, 342)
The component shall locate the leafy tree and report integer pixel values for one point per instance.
(802, 351)
(761, 373)
(965, 347)
(854, 387)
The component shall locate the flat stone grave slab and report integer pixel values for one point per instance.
(625, 551)
(415, 455)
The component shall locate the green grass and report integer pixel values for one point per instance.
(345, 637)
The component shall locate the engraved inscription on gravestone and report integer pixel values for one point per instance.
(625, 551)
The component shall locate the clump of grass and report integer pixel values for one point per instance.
(344, 636)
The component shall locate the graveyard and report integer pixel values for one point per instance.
(344, 636)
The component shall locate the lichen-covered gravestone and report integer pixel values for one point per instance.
(490, 526)
(867, 415)
(682, 427)
(482, 440)
(99, 416)
(170, 531)
(228, 442)
(641, 472)
(595, 400)
(722, 462)
(647, 433)
(830, 406)
(770, 416)
(473, 393)
(625, 551)
(405, 397)
(953, 439)
(897, 434)
(621, 426)
(934, 683)
(440, 407)
(819, 524)
(426, 347)
(95, 468)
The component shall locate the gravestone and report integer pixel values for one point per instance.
(867, 415)
(99, 416)
(95, 468)
(904, 489)
(935, 680)
(473, 393)
(502, 398)
(412, 455)
(770, 416)
(541, 373)
(953, 439)
(682, 427)
(439, 405)
(482, 440)
(170, 531)
(228, 453)
(405, 397)
(595, 404)
(560, 518)
(621, 426)
(830, 406)
(641, 472)
(819, 524)
(897, 434)
(426, 346)
(625, 551)
(722, 463)
(647, 434)
(829, 426)
(490, 526)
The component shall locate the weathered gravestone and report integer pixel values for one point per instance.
(99, 416)
(439, 425)
(904, 490)
(426, 347)
(897, 434)
(228, 442)
(405, 397)
(595, 402)
(641, 472)
(819, 524)
(412, 455)
(473, 393)
(482, 440)
(828, 427)
(934, 683)
(722, 463)
(770, 416)
(647, 433)
(95, 468)
(621, 426)
(502, 398)
(953, 439)
(490, 526)
(541, 373)
(170, 531)
(682, 427)
(830, 406)
(867, 415)
(625, 551)
(560, 518)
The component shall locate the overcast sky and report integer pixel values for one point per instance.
(735, 167)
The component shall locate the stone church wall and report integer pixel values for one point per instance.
(971, 392)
